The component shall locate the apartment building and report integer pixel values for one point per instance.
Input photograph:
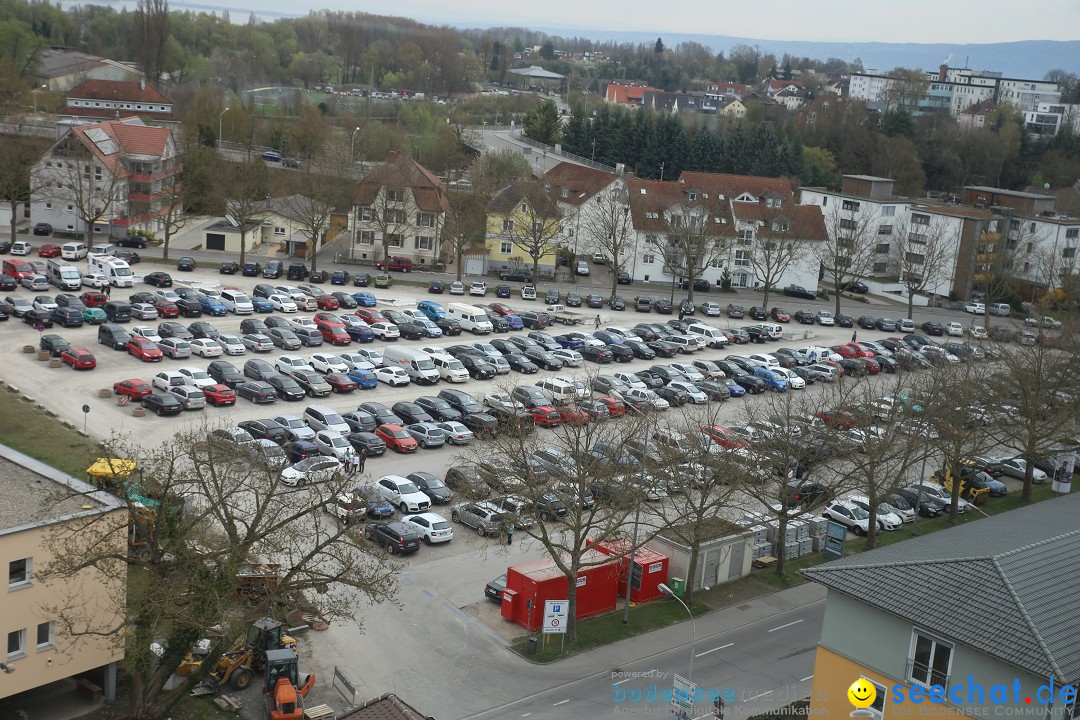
(583, 194)
(985, 611)
(523, 223)
(92, 101)
(47, 621)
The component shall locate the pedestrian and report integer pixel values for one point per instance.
(347, 461)
(361, 459)
(597, 322)
(682, 314)
(510, 533)
(854, 336)
(108, 290)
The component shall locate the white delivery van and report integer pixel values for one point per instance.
(450, 368)
(62, 275)
(816, 353)
(416, 363)
(470, 317)
(237, 302)
(713, 338)
(116, 270)
(73, 250)
(103, 249)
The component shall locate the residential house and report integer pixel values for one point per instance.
(107, 179)
(44, 653)
(732, 108)
(733, 89)
(819, 106)
(61, 70)
(523, 225)
(92, 101)
(399, 209)
(792, 98)
(583, 194)
(226, 235)
(974, 116)
(776, 87)
(1049, 118)
(621, 94)
(984, 611)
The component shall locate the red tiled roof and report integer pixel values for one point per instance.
(118, 91)
(626, 94)
(580, 182)
(981, 108)
(110, 113)
(734, 185)
(781, 84)
(723, 87)
(806, 221)
(654, 197)
(403, 173)
(131, 137)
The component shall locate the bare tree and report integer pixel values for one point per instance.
(76, 176)
(779, 243)
(609, 229)
(847, 252)
(465, 225)
(151, 36)
(246, 188)
(390, 218)
(220, 542)
(531, 220)
(1002, 256)
(692, 242)
(905, 89)
(924, 249)
(17, 155)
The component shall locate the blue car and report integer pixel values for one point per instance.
(608, 338)
(360, 333)
(734, 388)
(340, 277)
(365, 299)
(514, 322)
(364, 378)
(772, 380)
(262, 305)
(570, 343)
(377, 506)
(212, 306)
(433, 310)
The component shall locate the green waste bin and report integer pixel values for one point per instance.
(678, 586)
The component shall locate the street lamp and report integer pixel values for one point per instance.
(352, 146)
(36, 91)
(662, 587)
(219, 126)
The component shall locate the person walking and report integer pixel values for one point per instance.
(108, 290)
(854, 336)
(682, 314)
(361, 459)
(350, 460)
(510, 533)
(597, 322)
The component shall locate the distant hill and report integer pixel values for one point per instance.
(1028, 59)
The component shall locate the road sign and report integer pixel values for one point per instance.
(835, 537)
(683, 696)
(555, 616)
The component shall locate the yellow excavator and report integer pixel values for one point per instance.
(237, 667)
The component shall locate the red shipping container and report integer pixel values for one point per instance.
(541, 580)
(650, 569)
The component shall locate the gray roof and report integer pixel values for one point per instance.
(1021, 569)
(535, 71)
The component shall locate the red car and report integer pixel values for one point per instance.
(327, 302)
(572, 415)
(370, 316)
(501, 308)
(219, 395)
(545, 416)
(396, 438)
(873, 367)
(615, 407)
(341, 383)
(396, 264)
(78, 359)
(49, 250)
(335, 335)
(724, 437)
(165, 308)
(840, 418)
(845, 351)
(94, 299)
(779, 314)
(325, 319)
(134, 388)
(144, 349)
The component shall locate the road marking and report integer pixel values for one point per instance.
(784, 626)
(561, 702)
(621, 681)
(806, 678)
(714, 649)
(770, 692)
(526, 715)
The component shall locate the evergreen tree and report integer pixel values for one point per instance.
(574, 132)
(787, 70)
(764, 151)
(704, 152)
(496, 51)
(542, 124)
(547, 50)
(659, 47)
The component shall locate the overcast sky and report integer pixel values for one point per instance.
(938, 21)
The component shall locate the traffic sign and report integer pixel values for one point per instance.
(555, 616)
(683, 695)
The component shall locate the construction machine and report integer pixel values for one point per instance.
(283, 690)
(237, 667)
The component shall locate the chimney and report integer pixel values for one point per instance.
(943, 72)
(394, 155)
(142, 83)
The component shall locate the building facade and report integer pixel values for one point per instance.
(523, 224)
(92, 101)
(583, 194)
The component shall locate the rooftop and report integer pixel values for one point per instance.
(1020, 569)
(535, 71)
(385, 707)
(1009, 193)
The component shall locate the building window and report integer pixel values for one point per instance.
(97, 172)
(930, 660)
(16, 644)
(1072, 233)
(396, 196)
(508, 225)
(742, 258)
(396, 216)
(425, 219)
(538, 228)
(885, 230)
(920, 219)
(524, 208)
(70, 208)
(569, 232)
(882, 249)
(506, 247)
(824, 201)
(280, 231)
(48, 206)
(20, 573)
(423, 242)
(394, 241)
(1068, 252)
(847, 223)
(648, 258)
(880, 267)
(888, 211)
(780, 225)
(46, 635)
(365, 213)
(367, 237)
(850, 205)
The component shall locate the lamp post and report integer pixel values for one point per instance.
(220, 118)
(36, 91)
(693, 627)
(352, 146)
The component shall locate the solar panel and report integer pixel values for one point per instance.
(104, 143)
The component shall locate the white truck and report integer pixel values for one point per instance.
(560, 314)
(418, 364)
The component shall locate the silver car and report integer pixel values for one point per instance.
(192, 398)
(483, 517)
(174, 348)
(427, 434)
(257, 342)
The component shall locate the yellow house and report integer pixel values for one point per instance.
(522, 228)
(50, 621)
(734, 109)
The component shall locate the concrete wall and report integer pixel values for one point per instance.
(717, 559)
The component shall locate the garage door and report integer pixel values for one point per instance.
(474, 266)
(215, 241)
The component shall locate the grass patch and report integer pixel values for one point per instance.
(609, 628)
(38, 433)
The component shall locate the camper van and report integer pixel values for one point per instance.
(62, 275)
(116, 270)
(470, 317)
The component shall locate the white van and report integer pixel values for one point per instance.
(816, 353)
(470, 317)
(116, 270)
(62, 275)
(1000, 309)
(73, 250)
(450, 368)
(416, 363)
(564, 392)
(103, 249)
(713, 338)
(237, 302)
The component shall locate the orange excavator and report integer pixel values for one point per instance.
(284, 693)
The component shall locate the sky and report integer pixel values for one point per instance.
(921, 21)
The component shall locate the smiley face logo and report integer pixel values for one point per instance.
(862, 693)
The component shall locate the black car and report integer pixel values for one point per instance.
(461, 400)
(520, 363)
(162, 404)
(319, 276)
(844, 321)
(186, 264)
(258, 369)
(286, 387)
(867, 322)
(664, 349)
(251, 269)
(345, 300)
(543, 358)
(756, 312)
(674, 396)
(616, 303)
(932, 327)
(297, 271)
(515, 276)
(433, 487)
(623, 278)
(479, 369)
(798, 291)
(159, 279)
(640, 350)
(449, 326)
(273, 269)
(367, 441)
(203, 329)
(189, 308)
(855, 286)
(67, 317)
(757, 334)
(686, 307)
(266, 429)
(382, 414)
(129, 256)
(594, 301)
(256, 391)
(409, 331)
(438, 408)
(38, 318)
(481, 423)
(54, 345)
(662, 306)
(803, 316)
(751, 384)
(361, 280)
(597, 354)
(928, 506)
(573, 299)
(436, 287)
(502, 291)
(534, 320)
(805, 494)
(620, 353)
(360, 421)
(394, 537)
(225, 373)
(410, 413)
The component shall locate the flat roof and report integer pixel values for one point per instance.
(1010, 193)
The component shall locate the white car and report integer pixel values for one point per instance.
(940, 352)
(887, 516)
(478, 288)
(147, 332)
(580, 389)
(282, 303)
(978, 332)
(1017, 466)
(167, 379)
(333, 444)
(328, 363)
(316, 468)
(385, 330)
(434, 350)
(622, 332)
(794, 381)
(196, 378)
(710, 308)
(95, 280)
(289, 364)
(630, 380)
(770, 361)
(825, 319)
(302, 323)
(456, 433)
(647, 397)
(457, 288)
(500, 399)
(231, 344)
(205, 347)
(140, 311)
(402, 493)
(955, 329)
(392, 376)
(528, 292)
(696, 396)
(848, 514)
(975, 308)
(570, 358)
(589, 340)
(257, 342)
(47, 304)
(690, 372)
(431, 527)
